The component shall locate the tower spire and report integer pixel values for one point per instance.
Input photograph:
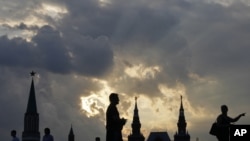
(136, 126)
(136, 115)
(31, 107)
(181, 122)
(31, 117)
(181, 107)
(71, 136)
(182, 134)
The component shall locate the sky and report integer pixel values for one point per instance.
(155, 50)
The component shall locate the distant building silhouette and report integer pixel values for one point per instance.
(31, 118)
(71, 135)
(158, 136)
(182, 134)
(136, 126)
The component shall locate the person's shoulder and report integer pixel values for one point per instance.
(111, 106)
(51, 136)
(219, 117)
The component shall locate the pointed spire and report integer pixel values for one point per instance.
(31, 107)
(136, 109)
(71, 131)
(136, 126)
(181, 108)
(182, 133)
(181, 122)
(71, 136)
(31, 117)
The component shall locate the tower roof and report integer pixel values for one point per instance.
(136, 119)
(136, 126)
(31, 118)
(31, 107)
(71, 136)
(181, 108)
(71, 133)
(181, 122)
(136, 109)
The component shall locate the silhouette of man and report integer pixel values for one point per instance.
(223, 122)
(114, 123)
(47, 136)
(13, 134)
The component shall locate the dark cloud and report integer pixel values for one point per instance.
(52, 52)
(91, 56)
(88, 18)
(49, 50)
(142, 24)
(219, 48)
(16, 52)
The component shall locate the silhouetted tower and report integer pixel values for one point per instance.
(31, 118)
(136, 126)
(71, 135)
(182, 134)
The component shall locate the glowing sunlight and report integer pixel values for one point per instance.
(96, 102)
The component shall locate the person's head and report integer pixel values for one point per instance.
(97, 139)
(47, 131)
(224, 109)
(113, 98)
(13, 133)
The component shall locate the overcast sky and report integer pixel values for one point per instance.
(82, 50)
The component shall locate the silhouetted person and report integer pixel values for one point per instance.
(97, 139)
(114, 123)
(223, 122)
(13, 134)
(47, 136)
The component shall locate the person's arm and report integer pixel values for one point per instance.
(236, 118)
(118, 120)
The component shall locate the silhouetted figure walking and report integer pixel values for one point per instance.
(114, 123)
(223, 122)
(13, 134)
(47, 136)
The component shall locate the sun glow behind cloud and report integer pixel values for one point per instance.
(96, 101)
(142, 72)
(91, 105)
(53, 11)
(104, 3)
